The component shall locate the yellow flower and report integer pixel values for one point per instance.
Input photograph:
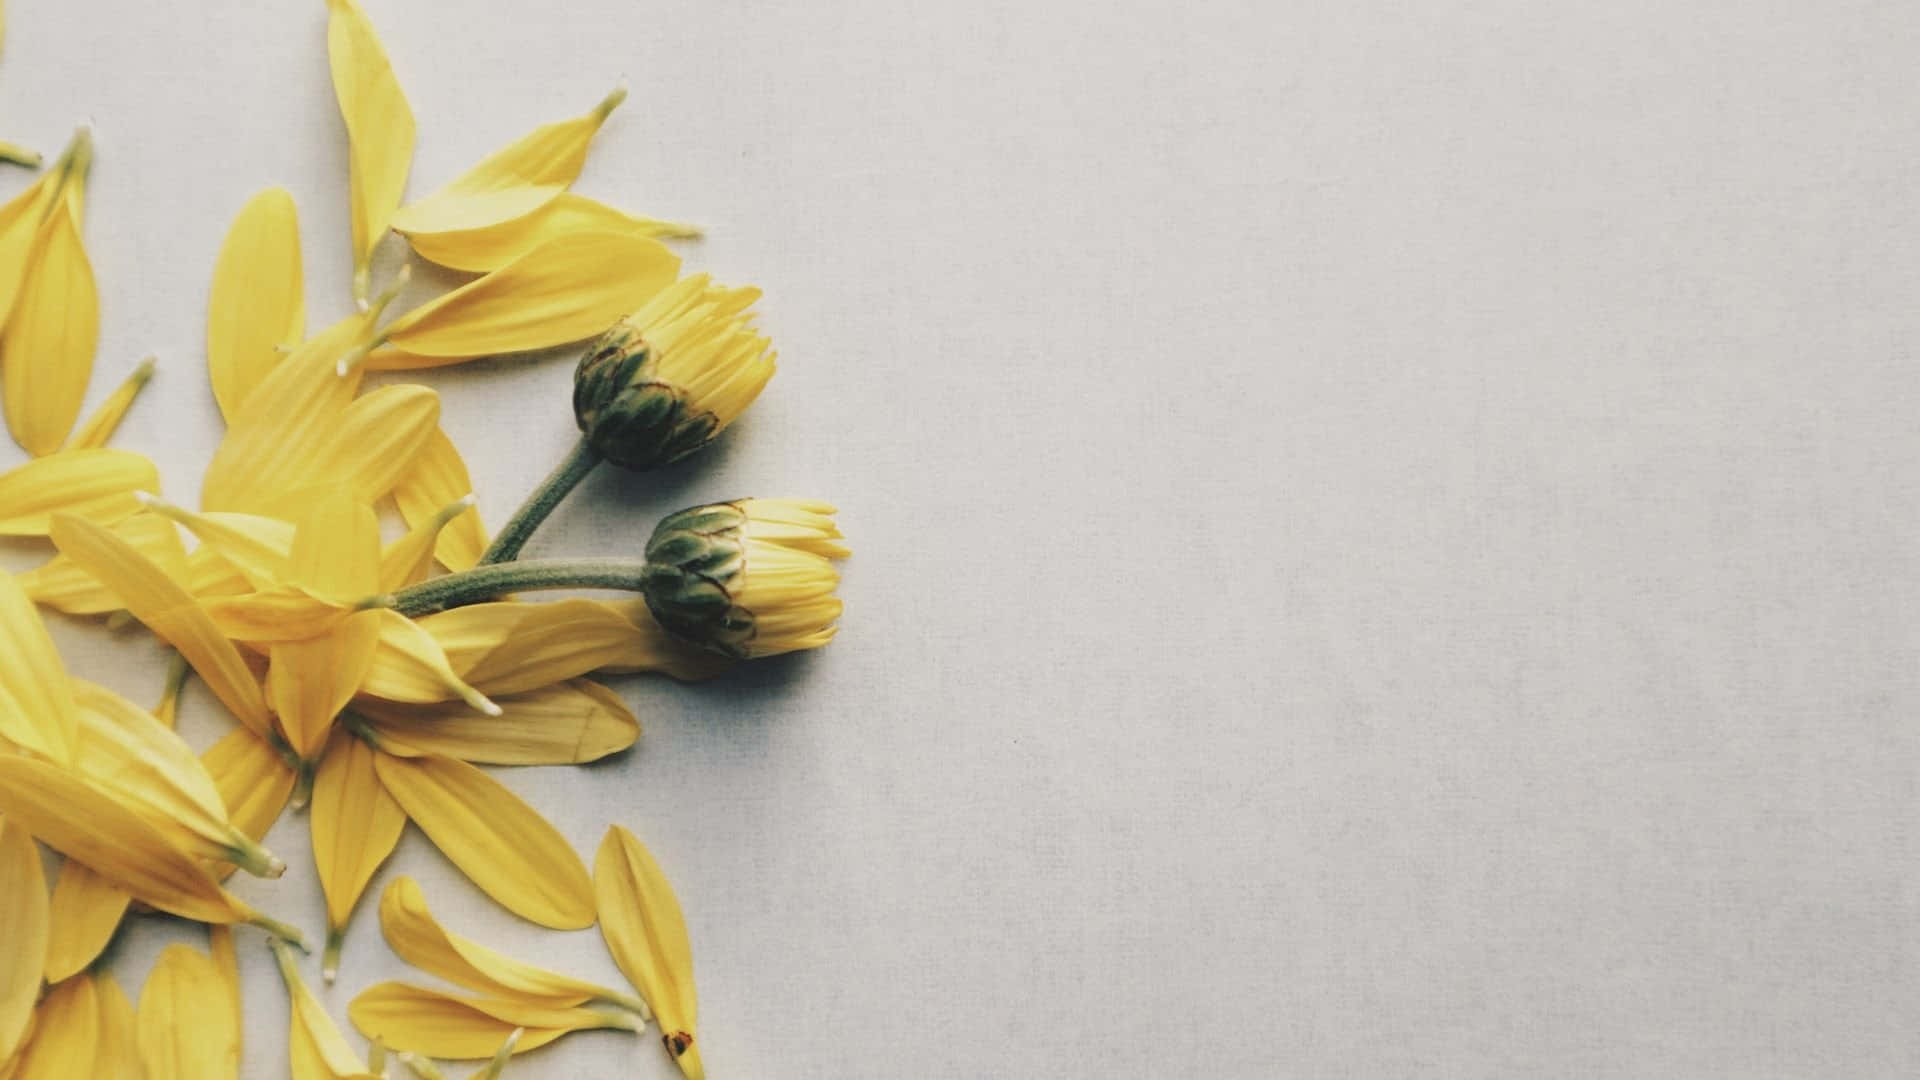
(668, 378)
(748, 578)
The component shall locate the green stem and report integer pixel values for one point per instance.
(282, 932)
(483, 583)
(564, 478)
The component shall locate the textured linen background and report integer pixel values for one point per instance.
(1385, 533)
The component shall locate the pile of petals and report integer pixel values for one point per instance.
(339, 596)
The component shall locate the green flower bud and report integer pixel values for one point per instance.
(748, 578)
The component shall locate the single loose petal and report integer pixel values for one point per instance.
(379, 129)
(66, 1034)
(566, 724)
(438, 477)
(254, 781)
(179, 1036)
(497, 840)
(565, 290)
(87, 909)
(316, 1048)
(513, 181)
(511, 647)
(336, 547)
(409, 559)
(257, 547)
(99, 485)
(118, 1055)
(64, 585)
(647, 935)
(355, 824)
(257, 311)
(47, 345)
(490, 247)
(169, 611)
(461, 1026)
(226, 962)
(19, 226)
(36, 702)
(411, 666)
(374, 444)
(310, 681)
(105, 420)
(24, 926)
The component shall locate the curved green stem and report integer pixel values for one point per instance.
(564, 478)
(483, 583)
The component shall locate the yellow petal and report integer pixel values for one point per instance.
(291, 415)
(409, 665)
(316, 1047)
(261, 548)
(87, 909)
(281, 615)
(19, 224)
(460, 1026)
(98, 485)
(169, 611)
(36, 703)
(118, 1056)
(409, 559)
(254, 781)
(493, 246)
(437, 478)
(180, 1037)
(510, 647)
(336, 546)
(46, 347)
(645, 932)
(567, 289)
(564, 724)
(66, 1034)
(209, 574)
(655, 650)
(374, 444)
(258, 305)
(24, 926)
(512, 181)
(498, 841)
(226, 963)
(420, 940)
(379, 128)
(355, 827)
(312, 680)
(62, 585)
(106, 419)
(151, 770)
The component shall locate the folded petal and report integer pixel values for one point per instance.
(647, 935)
(490, 247)
(179, 1037)
(355, 824)
(98, 485)
(24, 926)
(513, 181)
(36, 701)
(567, 289)
(258, 304)
(565, 724)
(420, 940)
(437, 478)
(169, 611)
(87, 909)
(460, 1026)
(47, 344)
(497, 840)
(379, 128)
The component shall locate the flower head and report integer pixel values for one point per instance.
(748, 578)
(666, 379)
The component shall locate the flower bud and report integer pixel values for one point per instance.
(665, 380)
(748, 578)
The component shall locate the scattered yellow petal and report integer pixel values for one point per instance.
(410, 558)
(106, 419)
(379, 129)
(411, 666)
(61, 584)
(36, 704)
(226, 963)
(645, 932)
(209, 574)
(310, 681)
(254, 781)
(118, 1055)
(258, 306)
(169, 611)
(258, 547)
(490, 247)
(374, 444)
(336, 546)
(513, 181)
(98, 485)
(420, 940)
(152, 771)
(180, 1038)
(87, 909)
(510, 647)
(24, 926)
(564, 724)
(654, 650)
(19, 225)
(497, 840)
(66, 1034)
(355, 827)
(316, 1048)
(565, 290)
(281, 615)
(462, 1026)
(437, 478)
(46, 347)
